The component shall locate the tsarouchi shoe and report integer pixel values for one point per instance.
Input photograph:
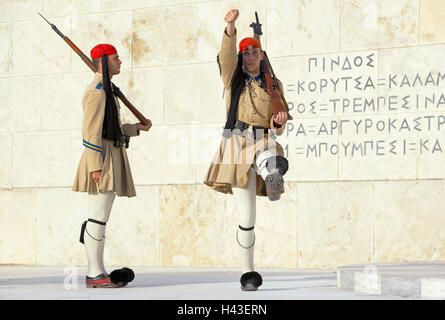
(101, 281)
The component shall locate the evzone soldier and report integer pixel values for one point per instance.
(249, 162)
(104, 169)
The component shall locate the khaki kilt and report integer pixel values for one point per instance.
(230, 165)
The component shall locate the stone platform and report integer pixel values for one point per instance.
(405, 279)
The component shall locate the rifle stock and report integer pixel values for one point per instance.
(277, 85)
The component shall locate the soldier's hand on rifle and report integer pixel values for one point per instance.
(96, 176)
(280, 118)
(140, 126)
(230, 18)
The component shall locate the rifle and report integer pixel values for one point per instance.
(271, 79)
(90, 64)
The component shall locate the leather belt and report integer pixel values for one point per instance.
(245, 126)
(241, 127)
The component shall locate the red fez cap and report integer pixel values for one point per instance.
(249, 43)
(100, 49)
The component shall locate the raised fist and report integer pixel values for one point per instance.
(231, 16)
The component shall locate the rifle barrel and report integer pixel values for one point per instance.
(256, 33)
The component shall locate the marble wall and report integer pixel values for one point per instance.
(364, 82)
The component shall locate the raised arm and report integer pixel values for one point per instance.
(230, 18)
(228, 58)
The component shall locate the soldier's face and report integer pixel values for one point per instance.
(252, 59)
(114, 64)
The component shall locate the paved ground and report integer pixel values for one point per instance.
(54, 283)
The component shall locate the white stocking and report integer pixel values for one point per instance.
(245, 201)
(99, 209)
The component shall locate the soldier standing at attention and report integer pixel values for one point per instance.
(249, 162)
(104, 169)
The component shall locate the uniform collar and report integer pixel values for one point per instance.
(255, 77)
(250, 76)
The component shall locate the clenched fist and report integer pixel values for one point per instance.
(140, 126)
(231, 16)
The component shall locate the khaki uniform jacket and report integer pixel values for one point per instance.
(237, 154)
(99, 153)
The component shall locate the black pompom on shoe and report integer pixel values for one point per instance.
(122, 276)
(282, 165)
(129, 274)
(250, 281)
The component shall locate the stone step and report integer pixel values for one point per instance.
(405, 279)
